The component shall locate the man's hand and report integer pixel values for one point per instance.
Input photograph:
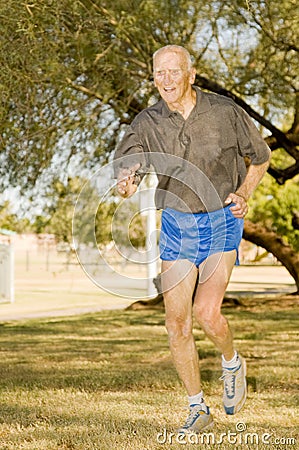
(126, 186)
(240, 198)
(240, 207)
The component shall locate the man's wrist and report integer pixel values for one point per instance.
(242, 195)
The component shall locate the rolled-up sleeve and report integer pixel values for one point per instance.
(250, 142)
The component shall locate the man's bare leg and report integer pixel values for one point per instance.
(214, 276)
(213, 280)
(178, 283)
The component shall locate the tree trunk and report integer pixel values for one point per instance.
(274, 244)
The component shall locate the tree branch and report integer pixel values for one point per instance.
(84, 89)
(275, 244)
(295, 125)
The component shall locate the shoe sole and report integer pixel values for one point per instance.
(192, 430)
(207, 427)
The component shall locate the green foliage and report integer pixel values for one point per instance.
(10, 221)
(127, 225)
(96, 221)
(58, 210)
(274, 206)
(267, 46)
(73, 72)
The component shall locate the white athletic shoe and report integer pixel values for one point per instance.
(235, 390)
(199, 419)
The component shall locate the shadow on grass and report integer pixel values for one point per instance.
(61, 379)
(110, 429)
(94, 430)
(125, 350)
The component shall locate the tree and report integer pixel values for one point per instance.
(99, 220)
(275, 207)
(57, 214)
(270, 222)
(10, 220)
(74, 73)
(275, 244)
(59, 203)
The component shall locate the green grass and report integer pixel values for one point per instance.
(105, 381)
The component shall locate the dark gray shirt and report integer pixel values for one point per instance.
(198, 161)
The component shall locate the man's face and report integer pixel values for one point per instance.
(172, 77)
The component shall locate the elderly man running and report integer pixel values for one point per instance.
(200, 234)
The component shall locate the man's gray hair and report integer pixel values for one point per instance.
(175, 49)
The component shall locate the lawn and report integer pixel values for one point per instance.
(105, 381)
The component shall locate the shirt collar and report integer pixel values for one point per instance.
(202, 101)
(202, 104)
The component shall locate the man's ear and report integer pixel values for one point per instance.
(192, 75)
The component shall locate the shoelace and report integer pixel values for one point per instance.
(228, 376)
(194, 412)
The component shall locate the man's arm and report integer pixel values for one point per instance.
(254, 175)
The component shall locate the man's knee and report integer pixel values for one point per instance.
(178, 328)
(208, 319)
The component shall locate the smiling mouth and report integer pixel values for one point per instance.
(169, 89)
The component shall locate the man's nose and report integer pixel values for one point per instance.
(167, 77)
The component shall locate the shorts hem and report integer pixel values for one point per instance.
(197, 263)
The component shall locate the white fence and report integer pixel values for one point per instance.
(6, 273)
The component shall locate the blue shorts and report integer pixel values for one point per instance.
(197, 236)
